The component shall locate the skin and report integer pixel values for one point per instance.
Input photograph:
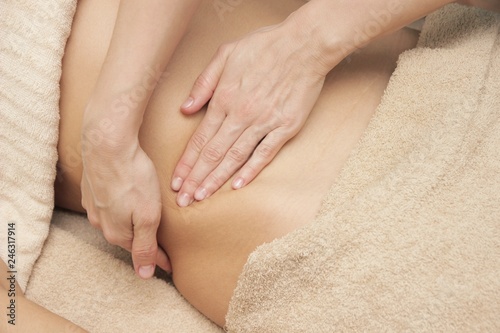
(209, 242)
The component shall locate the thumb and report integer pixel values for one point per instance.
(205, 84)
(145, 248)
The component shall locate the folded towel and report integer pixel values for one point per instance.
(33, 35)
(83, 278)
(408, 239)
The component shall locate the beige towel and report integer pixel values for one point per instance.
(32, 39)
(408, 239)
(84, 279)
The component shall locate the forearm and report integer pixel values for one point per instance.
(343, 26)
(145, 36)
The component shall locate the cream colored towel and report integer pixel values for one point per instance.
(408, 239)
(33, 35)
(92, 283)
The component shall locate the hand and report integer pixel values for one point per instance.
(262, 88)
(121, 193)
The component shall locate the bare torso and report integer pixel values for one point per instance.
(209, 242)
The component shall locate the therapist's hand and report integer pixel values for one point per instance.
(262, 88)
(121, 193)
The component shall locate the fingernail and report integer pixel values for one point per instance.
(187, 104)
(200, 194)
(176, 183)
(184, 200)
(146, 272)
(238, 183)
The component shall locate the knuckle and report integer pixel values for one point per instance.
(293, 125)
(199, 141)
(184, 167)
(202, 81)
(223, 99)
(282, 120)
(148, 219)
(191, 183)
(212, 154)
(216, 179)
(265, 150)
(237, 155)
(144, 250)
(248, 110)
(284, 134)
(252, 169)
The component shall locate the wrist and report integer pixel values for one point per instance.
(307, 29)
(339, 28)
(118, 101)
(326, 26)
(108, 129)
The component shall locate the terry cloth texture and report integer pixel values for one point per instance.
(33, 35)
(408, 239)
(84, 279)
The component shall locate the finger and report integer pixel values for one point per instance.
(209, 158)
(163, 261)
(204, 86)
(235, 157)
(203, 134)
(262, 156)
(144, 244)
